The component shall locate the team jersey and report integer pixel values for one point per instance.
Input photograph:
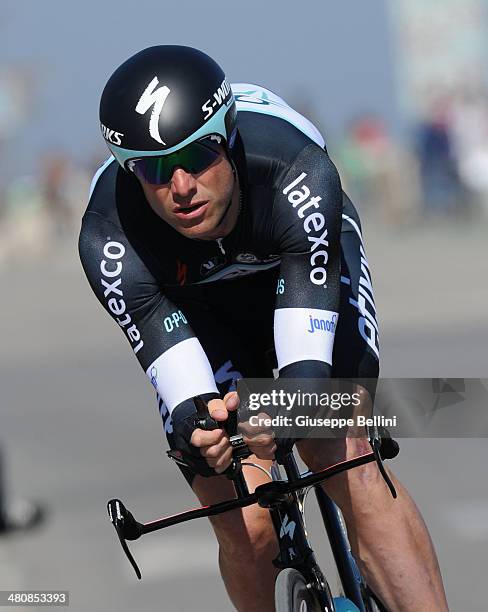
(292, 214)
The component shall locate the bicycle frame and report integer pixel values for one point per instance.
(295, 551)
(288, 521)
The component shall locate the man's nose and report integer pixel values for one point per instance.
(183, 183)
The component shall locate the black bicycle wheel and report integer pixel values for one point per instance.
(293, 595)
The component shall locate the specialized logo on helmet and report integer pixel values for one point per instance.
(155, 98)
(111, 135)
(219, 97)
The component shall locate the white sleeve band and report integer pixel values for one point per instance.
(301, 334)
(181, 372)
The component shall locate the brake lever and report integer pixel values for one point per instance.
(203, 419)
(376, 446)
(126, 527)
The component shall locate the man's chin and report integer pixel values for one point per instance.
(199, 230)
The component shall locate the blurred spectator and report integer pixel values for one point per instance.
(470, 144)
(380, 174)
(54, 185)
(16, 514)
(64, 188)
(441, 187)
(40, 211)
(24, 231)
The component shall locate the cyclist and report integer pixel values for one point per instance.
(212, 234)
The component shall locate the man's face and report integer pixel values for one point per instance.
(193, 204)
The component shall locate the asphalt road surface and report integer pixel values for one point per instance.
(79, 424)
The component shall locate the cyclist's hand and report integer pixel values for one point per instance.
(259, 438)
(214, 445)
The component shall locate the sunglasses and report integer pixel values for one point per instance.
(194, 158)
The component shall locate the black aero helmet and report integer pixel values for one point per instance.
(164, 98)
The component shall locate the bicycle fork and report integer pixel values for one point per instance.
(295, 550)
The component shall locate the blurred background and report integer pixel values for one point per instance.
(399, 88)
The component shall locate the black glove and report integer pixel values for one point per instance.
(186, 420)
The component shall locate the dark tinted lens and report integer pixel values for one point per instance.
(158, 170)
